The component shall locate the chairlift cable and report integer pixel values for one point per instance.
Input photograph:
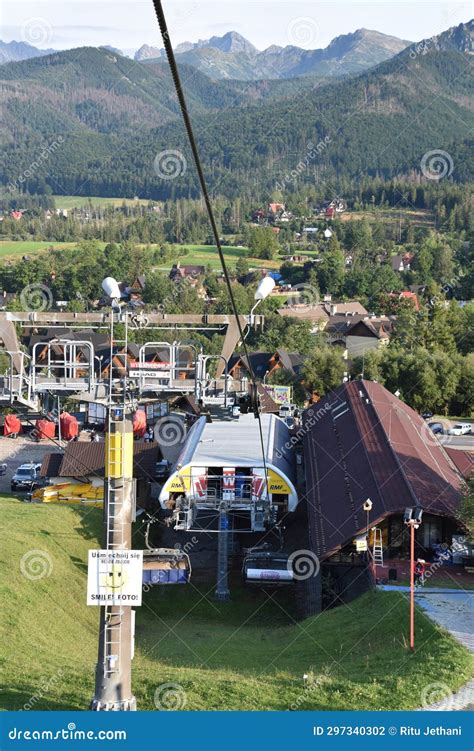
(202, 181)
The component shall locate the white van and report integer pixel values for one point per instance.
(460, 428)
(286, 410)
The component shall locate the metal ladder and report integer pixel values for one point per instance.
(377, 550)
(115, 524)
(115, 462)
(113, 640)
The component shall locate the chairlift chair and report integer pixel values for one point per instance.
(164, 565)
(267, 568)
(262, 566)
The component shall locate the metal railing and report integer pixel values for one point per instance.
(211, 490)
(175, 370)
(63, 365)
(16, 386)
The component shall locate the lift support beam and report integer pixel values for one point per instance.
(10, 342)
(49, 319)
(44, 319)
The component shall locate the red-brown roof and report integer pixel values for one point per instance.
(464, 461)
(362, 442)
(87, 459)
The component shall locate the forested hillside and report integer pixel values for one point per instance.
(113, 116)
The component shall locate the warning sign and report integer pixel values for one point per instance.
(114, 577)
(361, 544)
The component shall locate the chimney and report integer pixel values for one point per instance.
(333, 309)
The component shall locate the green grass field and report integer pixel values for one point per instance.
(247, 654)
(206, 255)
(199, 255)
(11, 249)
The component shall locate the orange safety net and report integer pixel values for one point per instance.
(45, 429)
(69, 426)
(11, 425)
(139, 423)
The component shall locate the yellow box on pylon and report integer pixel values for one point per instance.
(119, 455)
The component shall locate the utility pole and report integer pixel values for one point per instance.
(113, 683)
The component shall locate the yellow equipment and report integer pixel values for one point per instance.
(71, 493)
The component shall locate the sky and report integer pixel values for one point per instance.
(128, 25)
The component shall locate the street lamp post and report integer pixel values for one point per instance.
(412, 518)
(368, 508)
(261, 293)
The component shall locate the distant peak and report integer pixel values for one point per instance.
(115, 50)
(146, 52)
(232, 41)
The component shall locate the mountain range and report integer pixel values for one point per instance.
(14, 51)
(114, 115)
(233, 56)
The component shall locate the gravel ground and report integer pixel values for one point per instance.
(14, 452)
(453, 611)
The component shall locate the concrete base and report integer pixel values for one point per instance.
(128, 705)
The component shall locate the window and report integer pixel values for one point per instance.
(155, 411)
(432, 533)
(96, 414)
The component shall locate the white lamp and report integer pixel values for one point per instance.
(262, 291)
(111, 288)
(264, 288)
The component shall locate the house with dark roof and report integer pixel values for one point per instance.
(188, 272)
(264, 364)
(357, 335)
(361, 442)
(401, 262)
(135, 290)
(138, 285)
(238, 366)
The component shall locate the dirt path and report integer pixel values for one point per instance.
(14, 452)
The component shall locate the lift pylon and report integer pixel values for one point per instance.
(113, 685)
